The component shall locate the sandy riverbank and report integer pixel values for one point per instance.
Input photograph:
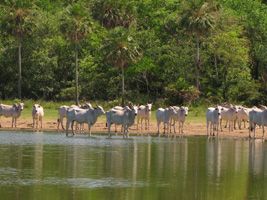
(190, 128)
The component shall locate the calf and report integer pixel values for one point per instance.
(164, 115)
(13, 111)
(37, 116)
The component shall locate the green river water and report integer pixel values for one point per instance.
(36, 166)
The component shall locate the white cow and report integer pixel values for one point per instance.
(144, 113)
(13, 111)
(179, 116)
(242, 116)
(164, 115)
(257, 117)
(122, 108)
(62, 113)
(124, 117)
(37, 116)
(229, 115)
(213, 119)
(88, 116)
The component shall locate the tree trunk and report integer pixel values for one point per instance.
(19, 60)
(216, 66)
(147, 84)
(76, 76)
(123, 90)
(198, 64)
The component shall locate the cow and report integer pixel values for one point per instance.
(13, 111)
(122, 108)
(144, 113)
(179, 116)
(62, 113)
(124, 117)
(229, 115)
(213, 119)
(242, 116)
(257, 117)
(37, 116)
(88, 116)
(164, 115)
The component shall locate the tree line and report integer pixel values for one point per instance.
(172, 51)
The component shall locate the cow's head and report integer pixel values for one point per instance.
(149, 106)
(101, 110)
(184, 110)
(35, 108)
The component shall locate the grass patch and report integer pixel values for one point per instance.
(196, 113)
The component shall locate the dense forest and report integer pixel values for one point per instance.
(172, 51)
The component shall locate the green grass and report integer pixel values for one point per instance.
(196, 113)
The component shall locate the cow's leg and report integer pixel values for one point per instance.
(58, 124)
(124, 129)
(254, 125)
(158, 123)
(217, 127)
(15, 121)
(207, 128)
(72, 123)
(33, 122)
(109, 133)
(168, 129)
(41, 120)
(61, 121)
(226, 124)
(89, 128)
(142, 124)
(174, 127)
(12, 123)
(67, 126)
(182, 127)
(37, 123)
(138, 120)
(263, 131)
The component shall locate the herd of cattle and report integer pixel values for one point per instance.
(125, 116)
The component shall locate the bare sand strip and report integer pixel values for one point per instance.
(190, 129)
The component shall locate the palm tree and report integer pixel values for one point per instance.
(113, 13)
(198, 20)
(121, 50)
(18, 21)
(75, 25)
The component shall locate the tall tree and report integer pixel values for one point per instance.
(18, 21)
(198, 20)
(113, 13)
(75, 25)
(121, 50)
